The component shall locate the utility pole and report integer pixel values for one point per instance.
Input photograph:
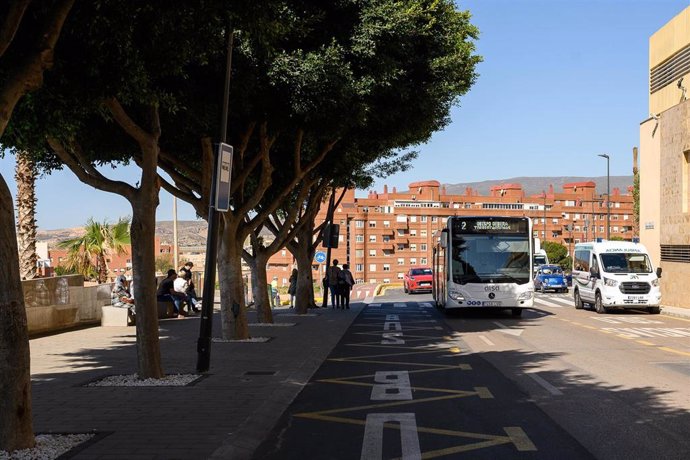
(176, 252)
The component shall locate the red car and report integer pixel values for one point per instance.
(417, 279)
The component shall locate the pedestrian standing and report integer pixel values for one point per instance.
(292, 289)
(346, 286)
(333, 273)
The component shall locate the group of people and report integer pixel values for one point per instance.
(339, 282)
(177, 288)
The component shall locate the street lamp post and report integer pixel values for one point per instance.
(608, 197)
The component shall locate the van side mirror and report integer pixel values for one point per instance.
(658, 272)
(593, 272)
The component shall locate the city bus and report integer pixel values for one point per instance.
(484, 262)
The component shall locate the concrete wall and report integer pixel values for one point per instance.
(54, 304)
(671, 38)
(650, 218)
(674, 209)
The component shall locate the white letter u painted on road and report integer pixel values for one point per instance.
(372, 448)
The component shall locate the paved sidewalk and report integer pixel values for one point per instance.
(676, 311)
(223, 416)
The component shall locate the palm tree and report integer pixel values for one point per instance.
(99, 240)
(25, 175)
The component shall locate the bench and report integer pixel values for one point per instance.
(166, 309)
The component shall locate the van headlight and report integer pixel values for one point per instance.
(456, 295)
(610, 282)
(525, 295)
(655, 282)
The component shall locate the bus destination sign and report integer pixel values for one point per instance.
(482, 225)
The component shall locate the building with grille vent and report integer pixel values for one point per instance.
(665, 159)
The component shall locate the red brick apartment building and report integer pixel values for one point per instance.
(384, 234)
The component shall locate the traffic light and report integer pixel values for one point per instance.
(330, 235)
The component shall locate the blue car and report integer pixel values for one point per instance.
(550, 277)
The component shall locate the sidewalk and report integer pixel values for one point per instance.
(676, 311)
(225, 415)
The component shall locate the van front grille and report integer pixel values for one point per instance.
(635, 287)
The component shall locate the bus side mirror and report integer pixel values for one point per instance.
(658, 272)
(443, 239)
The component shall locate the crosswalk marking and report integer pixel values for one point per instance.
(399, 305)
(425, 305)
(555, 302)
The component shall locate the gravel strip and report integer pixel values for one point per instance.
(133, 380)
(48, 447)
(250, 340)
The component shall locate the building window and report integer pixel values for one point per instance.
(413, 232)
(283, 253)
(423, 219)
(401, 232)
(413, 261)
(423, 261)
(386, 223)
(422, 247)
(386, 238)
(359, 267)
(413, 218)
(422, 233)
(401, 261)
(401, 247)
(401, 275)
(372, 267)
(372, 252)
(359, 253)
(372, 238)
(386, 267)
(413, 247)
(359, 223)
(372, 280)
(372, 224)
(434, 219)
(359, 238)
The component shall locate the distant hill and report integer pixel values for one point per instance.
(535, 185)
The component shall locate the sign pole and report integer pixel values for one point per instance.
(327, 244)
(209, 291)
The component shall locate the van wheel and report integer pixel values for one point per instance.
(654, 310)
(578, 301)
(598, 304)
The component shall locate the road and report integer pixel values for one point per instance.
(408, 381)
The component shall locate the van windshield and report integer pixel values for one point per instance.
(626, 263)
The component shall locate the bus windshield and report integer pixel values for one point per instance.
(495, 258)
(622, 262)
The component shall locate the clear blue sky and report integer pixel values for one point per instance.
(561, 81)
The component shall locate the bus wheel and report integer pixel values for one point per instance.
(578, 301)
(654, 310)
(598, 304)
(517, 312)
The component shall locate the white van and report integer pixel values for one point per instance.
(615, 274)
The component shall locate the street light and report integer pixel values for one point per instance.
(608, 197)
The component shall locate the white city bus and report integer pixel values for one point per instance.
(484, 262)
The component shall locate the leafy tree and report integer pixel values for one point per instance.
(164, 263)
(29, 32)
(87, 254)
(557, 254)
(616, 238)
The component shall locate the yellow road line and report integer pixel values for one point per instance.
(673, 350)
(462, 367)
(389, 355)
(644, 342)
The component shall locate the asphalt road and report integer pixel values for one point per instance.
(408, 382)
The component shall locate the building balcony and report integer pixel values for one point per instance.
(402, 224)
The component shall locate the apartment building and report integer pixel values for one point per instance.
(386, 233)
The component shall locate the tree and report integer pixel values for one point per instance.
(87, 254)
(164, 262)
(557, 254)
(28, 35)
(25, 176)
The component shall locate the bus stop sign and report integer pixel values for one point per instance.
(320, 257)
(224, 170)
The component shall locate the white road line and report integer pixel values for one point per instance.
(374, 304)
(548, 304)
(544, 384)
(425, 305)
(486, 341)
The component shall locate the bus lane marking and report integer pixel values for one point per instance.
(391, 386)
(487, 341)
(544, 384)
(392, 338)
(372, 447)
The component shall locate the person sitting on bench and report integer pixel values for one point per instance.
(166, 292)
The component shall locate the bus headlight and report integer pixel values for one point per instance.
(655, 282)
(525, 295)
(456, 295)
(610, 282)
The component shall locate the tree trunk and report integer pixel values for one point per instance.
(25, 175)
(233, 315)
(16, 429)
(262, 300)
(303, 251)
(103, 267)
(143, 230)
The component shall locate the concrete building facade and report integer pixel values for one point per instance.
(665, 159)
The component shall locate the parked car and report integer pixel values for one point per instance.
(550, 277)
(417, 279)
